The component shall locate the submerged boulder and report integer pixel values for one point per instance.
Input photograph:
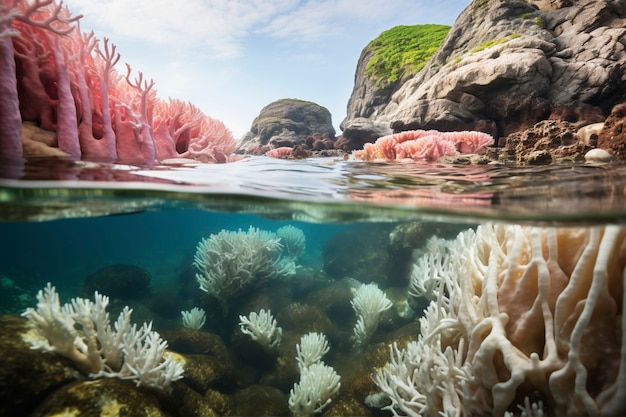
(287, 123)
(503, 67)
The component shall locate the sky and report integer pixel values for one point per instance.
(231, 58)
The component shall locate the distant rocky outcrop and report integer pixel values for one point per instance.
(504, 66)
(289, 123)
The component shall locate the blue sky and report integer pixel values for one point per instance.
(232, 57)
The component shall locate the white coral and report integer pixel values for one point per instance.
(312, 347)
(231, 263)
(293, 240)
(81, 331)
(262, 327)
(368, 303)
(318, 384)
(523, 312)
(194, 318)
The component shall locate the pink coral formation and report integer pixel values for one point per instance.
(280, 152)
(64, 80)
(424, 145)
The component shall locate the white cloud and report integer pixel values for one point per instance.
(219, 25)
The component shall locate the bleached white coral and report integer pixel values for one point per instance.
(231, 263)
(427, 271)
(318, 384)
(524, 312)
(81, 331)
(368, 303)
(194, 318)
(262, 327)
(293, 240)
(312, 347)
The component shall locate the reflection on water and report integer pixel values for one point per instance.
(327, 189)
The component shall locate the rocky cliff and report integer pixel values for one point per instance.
(504, 66)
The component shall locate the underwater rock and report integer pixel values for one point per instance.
(117, 281)
(26, 373)
(191, 403)
(110, 397)
(205, 371)
(13, 298)
(260, 400)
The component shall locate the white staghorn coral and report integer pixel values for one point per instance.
(318, 384)
(532, 314)
(80, 331)
(368, 303)
(231, 263)
(312, 347)
(262, 327)
(194, 318)
(318, 381)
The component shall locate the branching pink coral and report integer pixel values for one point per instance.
(65, 81)
(423, 145)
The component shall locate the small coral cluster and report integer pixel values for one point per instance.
(368, 303)
(80, 331)
(523, 318)
(262, 328)
(65, 81)
(424, 145)
(318, 381)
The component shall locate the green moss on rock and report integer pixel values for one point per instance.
(403, 50)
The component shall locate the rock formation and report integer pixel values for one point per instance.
(288, 123)
(504, 66)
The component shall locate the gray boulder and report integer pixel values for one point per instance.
(289, 122)
(506, 65)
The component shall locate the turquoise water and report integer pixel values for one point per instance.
(63, 220)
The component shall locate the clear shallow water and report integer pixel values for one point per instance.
(323, 190)
(63, 220)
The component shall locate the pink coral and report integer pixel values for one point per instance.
(422, 145)
(426, 148)
(469, 141)
(66, 82)
(279, 152)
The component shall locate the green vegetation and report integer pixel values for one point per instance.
(493, 42)
(403, 50)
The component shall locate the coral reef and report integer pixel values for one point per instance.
(81, 332)
(96, 112)
(423, 145)
(523, 316)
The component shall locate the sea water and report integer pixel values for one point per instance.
(63, 220)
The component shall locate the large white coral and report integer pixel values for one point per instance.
(80, 331)
(526, 315)
(231, 263)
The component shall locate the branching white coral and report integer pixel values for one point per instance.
(81, 331)
(427, 271)
(262, 327)
(524, 312)
(293, 241)
(194, 318)
(318, 384)
(231, 263)
(368, 303)
(312, 347)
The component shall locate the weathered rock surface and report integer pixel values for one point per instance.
(505, 66)
(612, 138)
(288, 123)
